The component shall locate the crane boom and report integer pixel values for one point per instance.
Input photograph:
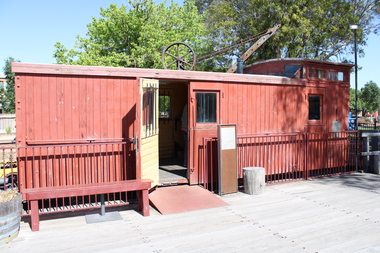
(270, 32)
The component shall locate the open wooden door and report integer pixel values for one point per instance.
(148, 148)
(204, 117)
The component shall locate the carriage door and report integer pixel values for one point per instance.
(203, 120)
(316, 115)
(148, 149)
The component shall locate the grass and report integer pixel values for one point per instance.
(8, 129)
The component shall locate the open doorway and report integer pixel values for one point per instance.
(173, 97)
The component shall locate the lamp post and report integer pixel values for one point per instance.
(355, 27)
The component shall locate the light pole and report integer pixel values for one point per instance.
(355, 27)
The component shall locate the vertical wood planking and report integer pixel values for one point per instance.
(89, 111)
(52, 131)
(242, 97)
(104, 105)
(67, 105)
(83, 109)
(58, 107)
(96, 110)
(75, 99)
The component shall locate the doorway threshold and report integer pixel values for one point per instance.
(171, 172)
(172, 177)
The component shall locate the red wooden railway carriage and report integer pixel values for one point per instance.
(81, 125)
(59, 104)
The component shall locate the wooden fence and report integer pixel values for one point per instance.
(7, 123)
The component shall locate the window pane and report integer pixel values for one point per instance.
(149, 112)
(333, 76)
(290, 70)
(312, 73)
(317, 73)
(148, 107)
(206, 107)
(340, 76)
(314, 108)
(321, 74)
(164, 105)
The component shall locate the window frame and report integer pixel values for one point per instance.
(292, 66)
(216, 107)
(318, 73)
(166, 93)
(321, 102)
(336, 76)
(149, 108)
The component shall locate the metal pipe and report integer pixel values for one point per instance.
(240, 65)
(355, 27)
(102, 205)
(356, 80)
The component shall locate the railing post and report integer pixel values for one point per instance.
(357, 151)
(306, 155)
(202, 170)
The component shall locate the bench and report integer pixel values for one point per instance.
(141, 186)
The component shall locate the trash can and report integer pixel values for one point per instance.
(351, 124)
(254, 180)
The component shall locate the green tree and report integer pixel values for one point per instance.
(310, 29)
(370, 95)
(134, 37)
(353, 100)
(7, 94)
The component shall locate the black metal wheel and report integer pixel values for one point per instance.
(179, 56)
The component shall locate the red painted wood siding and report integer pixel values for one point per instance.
(266, 109)
(72, 110)
(263, 108)
(51, 108)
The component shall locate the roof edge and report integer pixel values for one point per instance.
(302, 60)
(162, 74)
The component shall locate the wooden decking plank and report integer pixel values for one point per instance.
(296, 217)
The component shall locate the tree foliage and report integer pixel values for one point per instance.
(134, 37)
(310, 29)
(370, 96)
(7, 94)
(353, 100)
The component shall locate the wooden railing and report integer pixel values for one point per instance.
(69, 164)
(287, 157)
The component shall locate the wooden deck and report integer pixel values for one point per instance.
(336, 214)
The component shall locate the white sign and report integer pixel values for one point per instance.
(228, 138)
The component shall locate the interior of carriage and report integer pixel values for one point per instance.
(172, 100)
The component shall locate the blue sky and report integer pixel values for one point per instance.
(29, 30)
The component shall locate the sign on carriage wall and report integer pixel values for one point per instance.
(227, 153)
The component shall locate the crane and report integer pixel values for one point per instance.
(183, 57)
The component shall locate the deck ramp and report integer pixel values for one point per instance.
(183, 198)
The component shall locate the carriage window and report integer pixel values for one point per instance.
(291, 70)
(164, 107)
(322, 74)
(314, 107)
(336, 76)
(317, 73)
(333, 76)
(206, 107)
(149, 108)
(340, 76)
